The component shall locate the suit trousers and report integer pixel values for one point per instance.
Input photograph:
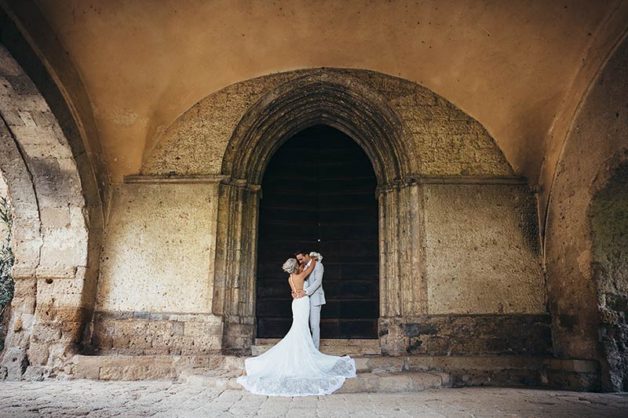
(315, 324)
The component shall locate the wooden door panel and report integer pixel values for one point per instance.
(330, 328)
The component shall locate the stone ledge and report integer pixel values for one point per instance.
(462, 179)
(574, 365)
(158, 316)
(370, 382)
(124, 367)
(399, 382)
(175, 179)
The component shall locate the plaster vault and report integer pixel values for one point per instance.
(136, 202)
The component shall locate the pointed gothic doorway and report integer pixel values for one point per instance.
(318, 193)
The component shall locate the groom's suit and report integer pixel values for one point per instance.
(313, 287)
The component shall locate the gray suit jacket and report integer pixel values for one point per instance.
(313, 286)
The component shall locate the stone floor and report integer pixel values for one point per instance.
(166, 399)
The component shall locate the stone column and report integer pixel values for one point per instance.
(236, 260)
(403, 286)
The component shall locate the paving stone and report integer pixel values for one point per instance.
(167, 399)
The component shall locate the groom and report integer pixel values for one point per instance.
(313, 287)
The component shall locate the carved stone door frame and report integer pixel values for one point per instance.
(340, 101)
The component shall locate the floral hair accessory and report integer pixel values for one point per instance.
(316, 256)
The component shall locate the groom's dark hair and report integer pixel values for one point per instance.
(300, 252)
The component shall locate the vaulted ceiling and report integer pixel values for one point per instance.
(518, 66)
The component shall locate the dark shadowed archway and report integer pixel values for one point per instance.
(319, 195)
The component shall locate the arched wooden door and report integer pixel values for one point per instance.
(318, 193)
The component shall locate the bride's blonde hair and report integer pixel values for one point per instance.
(290, 266)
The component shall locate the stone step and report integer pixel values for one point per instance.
(504, 370)
(213, 378)
(387, 382)
(371, 382)
(336, 347)
(461, 370)
(378, 363)
(146, 367)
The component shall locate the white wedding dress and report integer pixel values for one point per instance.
(294, 367)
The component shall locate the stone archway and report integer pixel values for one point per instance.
(55, 255)
(318, 98)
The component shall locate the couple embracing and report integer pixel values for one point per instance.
(294, 366)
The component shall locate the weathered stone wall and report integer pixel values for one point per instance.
(597, 142)
(4, 192)
(482, 250)
(442, 139)
(609, 229)
(50, 235)
(146, 333)
(155, 287)
(478, 239)
(5, 282)
(30, 122)
(158, 249)
(479, 286)
(456, 334)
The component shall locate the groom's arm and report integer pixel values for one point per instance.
(315, 281)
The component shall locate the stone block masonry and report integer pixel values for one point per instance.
(466, 335)
(146, 333)
(50, 230)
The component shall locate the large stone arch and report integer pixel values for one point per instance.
(317, 98)
(345, 103)
(55, 265)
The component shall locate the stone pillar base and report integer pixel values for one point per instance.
(238, 337)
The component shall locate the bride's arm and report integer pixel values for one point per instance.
(301, 276)
(307, 271)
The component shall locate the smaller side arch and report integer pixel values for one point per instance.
(54, 268)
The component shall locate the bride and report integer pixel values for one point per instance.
(294, 367)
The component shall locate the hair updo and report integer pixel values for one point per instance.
(290, 266)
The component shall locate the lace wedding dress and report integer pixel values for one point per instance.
(294, 367)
